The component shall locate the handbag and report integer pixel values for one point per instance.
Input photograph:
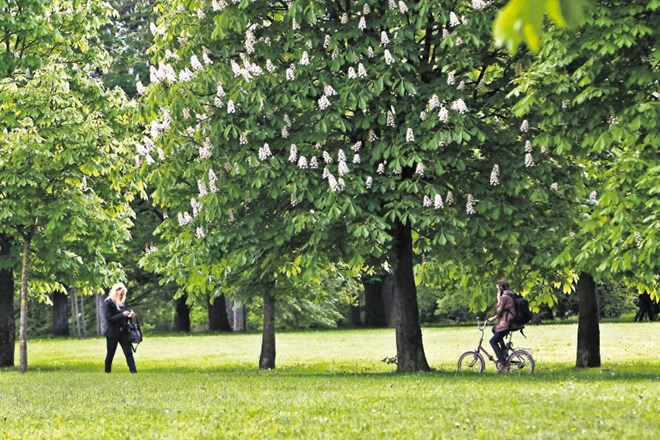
(134, 333)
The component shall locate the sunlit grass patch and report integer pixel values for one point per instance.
(332, 385)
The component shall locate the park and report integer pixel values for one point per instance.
(310, 204)
(334, 384)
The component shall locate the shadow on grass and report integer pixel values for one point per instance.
(634, 372)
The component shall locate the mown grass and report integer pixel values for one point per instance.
(333, 384)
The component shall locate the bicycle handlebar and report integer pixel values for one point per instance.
(481, 327)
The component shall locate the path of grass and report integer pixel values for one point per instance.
(332, 384)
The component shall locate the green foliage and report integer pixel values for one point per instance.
(60, 159)
(594, 100)
(127, 39)
(523, 21)
(285, 136)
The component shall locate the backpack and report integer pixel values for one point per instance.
(523, 314)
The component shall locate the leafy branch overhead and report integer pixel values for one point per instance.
(522, 21)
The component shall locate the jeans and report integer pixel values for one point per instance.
(111, 345)
(497, 342)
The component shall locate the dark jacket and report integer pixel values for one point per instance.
(506, 310)
(115, 321)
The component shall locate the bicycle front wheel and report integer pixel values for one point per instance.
(471, 361)
(520, 362)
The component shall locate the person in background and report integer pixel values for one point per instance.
(645, 308)
(116, 327)
(506, 311)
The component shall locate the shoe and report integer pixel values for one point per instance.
(501, 368)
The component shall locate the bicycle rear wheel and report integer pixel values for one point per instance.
(471, 361)
(520, 362)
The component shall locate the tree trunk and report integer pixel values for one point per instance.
(588, 345)
(237, 316)
(354, 319)
(75, 313)
(100, 316)
(267, 356)
(388, 300)
(181, 314)
(22, 335)
(409, 346)
(7, 322)
(60, 314)
(374, 306)
(217, 312)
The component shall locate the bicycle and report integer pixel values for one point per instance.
(518, 361)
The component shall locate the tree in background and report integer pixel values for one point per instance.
(595, 99)
(383, 128)
(65, 181)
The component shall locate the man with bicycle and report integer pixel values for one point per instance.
(506, 311)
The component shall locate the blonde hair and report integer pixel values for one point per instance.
(118, 294)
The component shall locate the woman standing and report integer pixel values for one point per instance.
(116, 327)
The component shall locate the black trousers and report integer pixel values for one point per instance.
(111, 346)
(497, 342)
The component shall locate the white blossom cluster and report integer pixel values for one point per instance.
(436, 202)
(479, 4)
(293, 153)
(206, 150)
(459, 106)
(529, 160)
(389, 59)
(495, 175)
(524, 126)
(264, 152)
(469, 206)
(196, 207)
(410, 137)
(164, 72)
(184, 219)
(213, 179)
(324, 102)
(247, 71)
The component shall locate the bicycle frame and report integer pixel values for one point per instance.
(517, 360)
(480, 348)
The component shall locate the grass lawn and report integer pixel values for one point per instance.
(334, 385)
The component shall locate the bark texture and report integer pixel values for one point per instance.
(374, 311)
(22, 335)
(588, 344)
(7, 321)
(267, 356)
(181, 314)
(409, 346)
(237, 316)
(60, 314)
(217, 312)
